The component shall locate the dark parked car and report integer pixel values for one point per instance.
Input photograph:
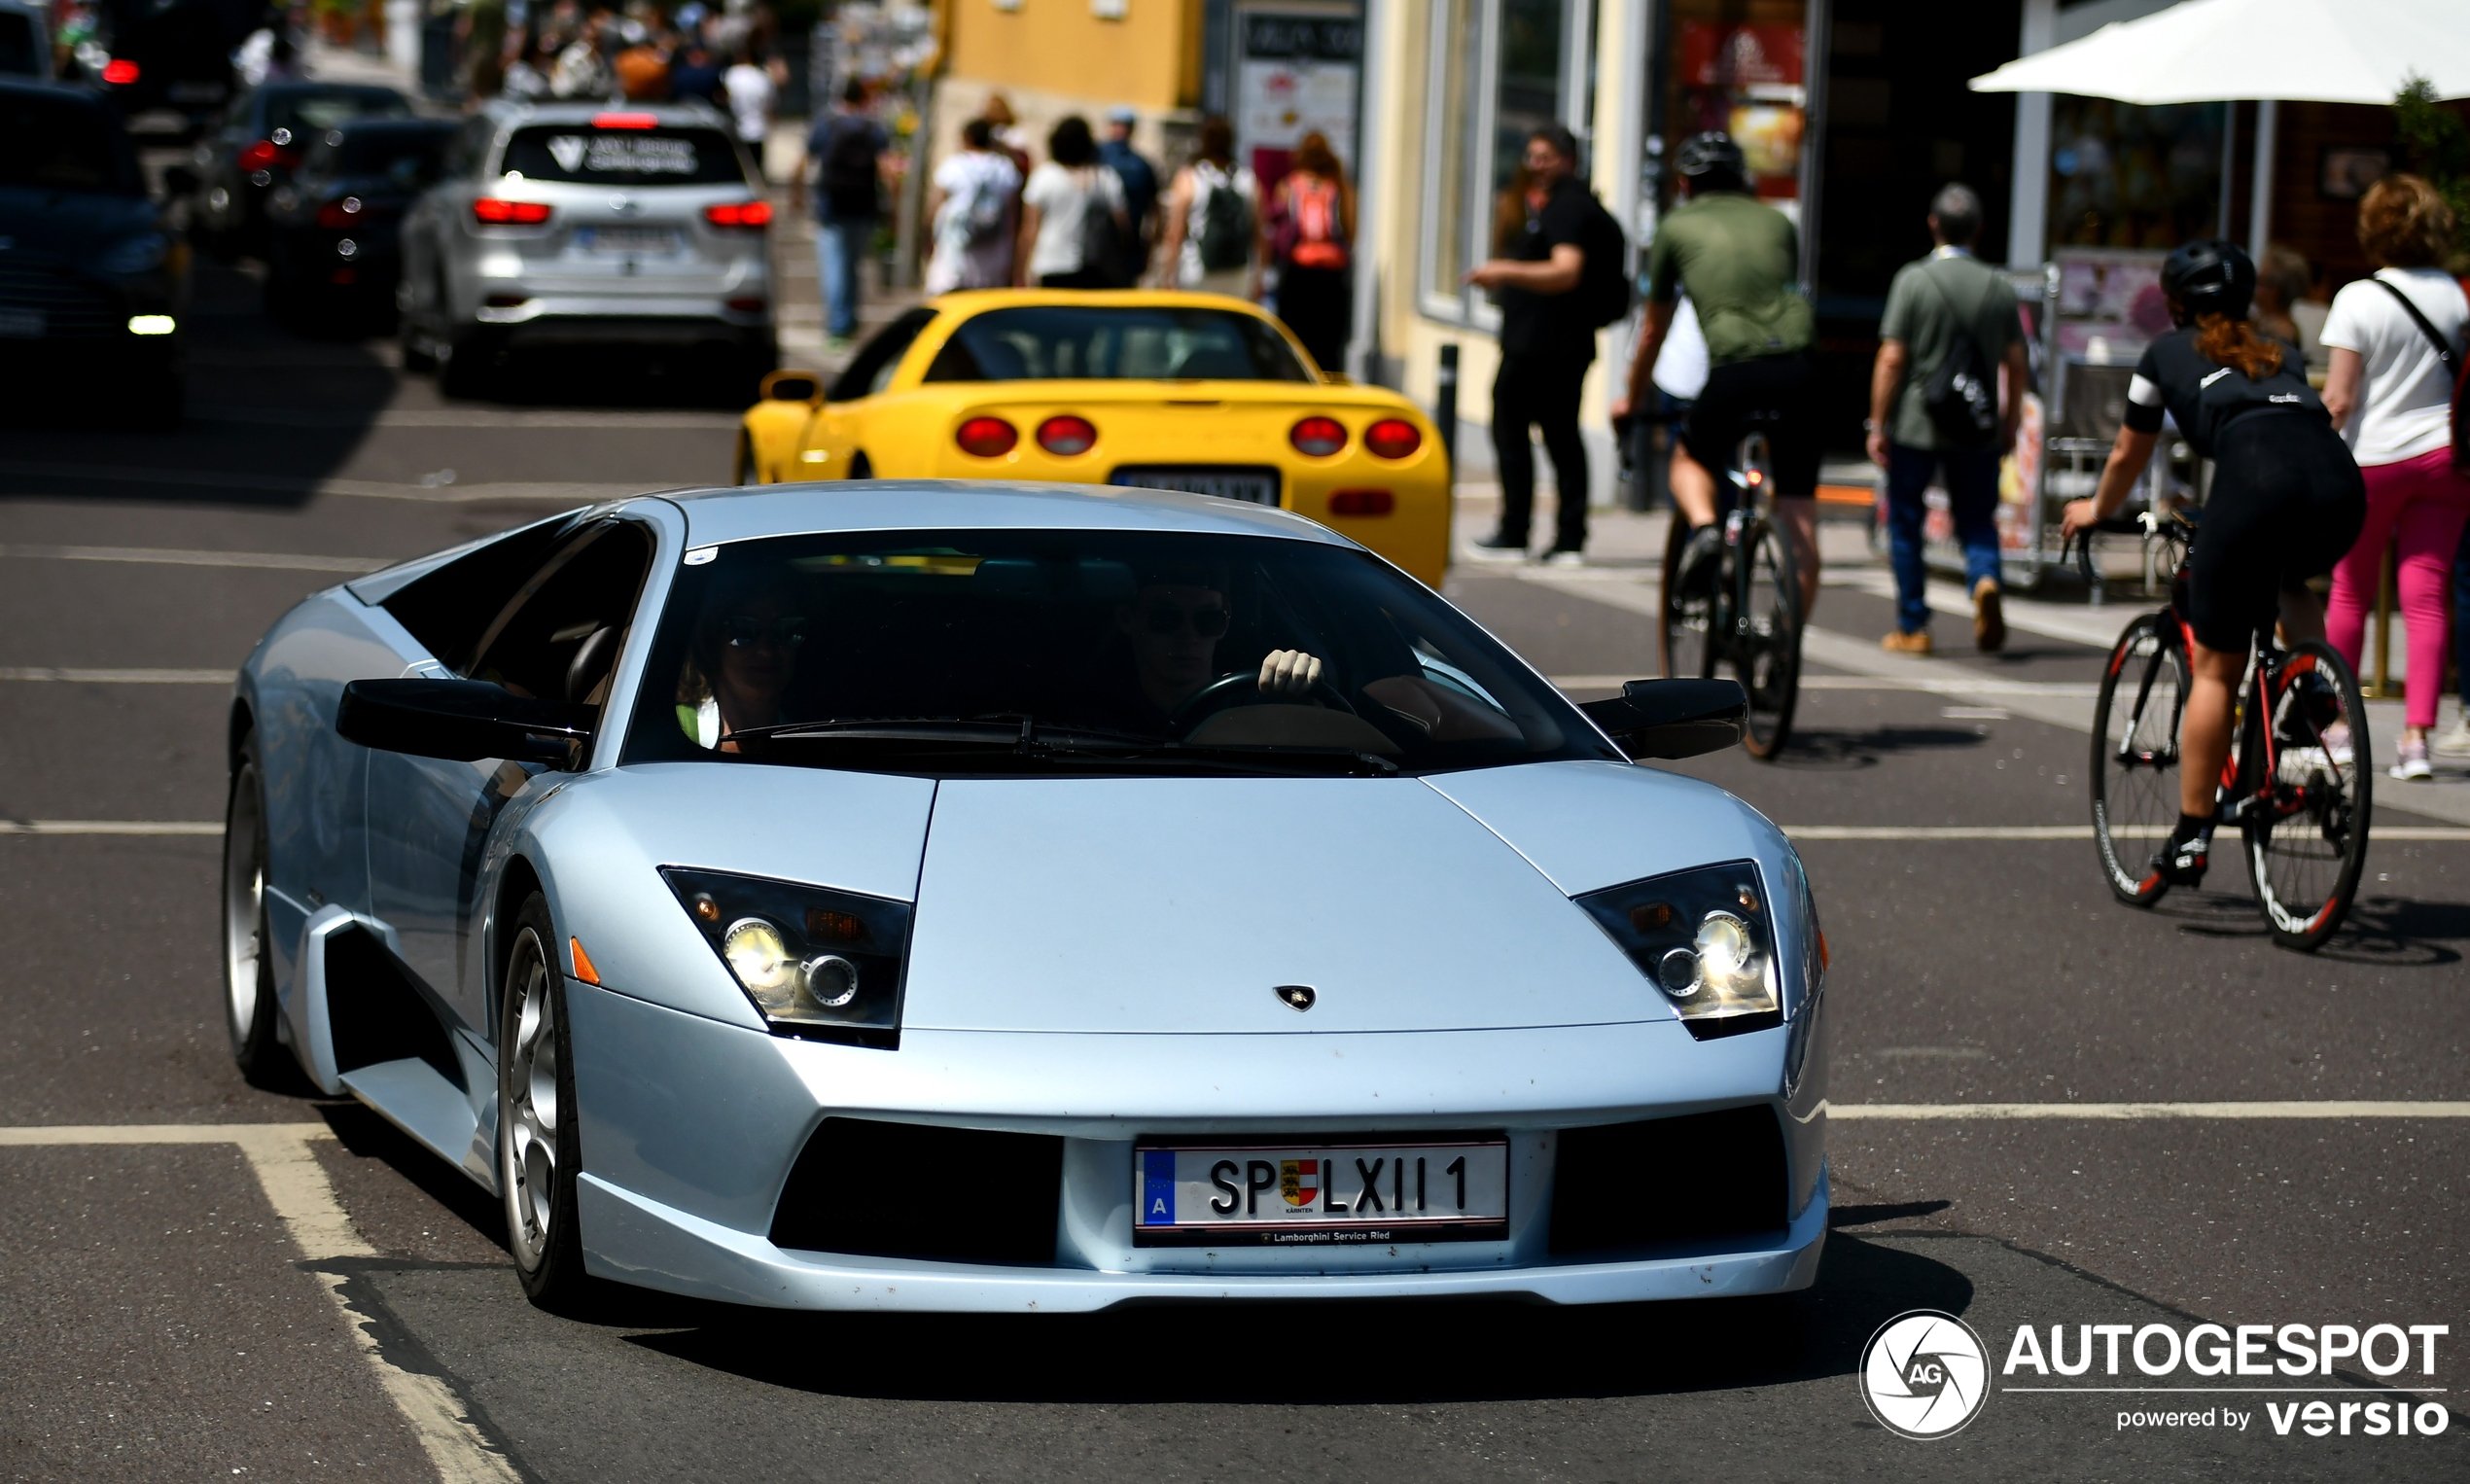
(92, 288)
(167, 54)
(260, 143)
(334, 233)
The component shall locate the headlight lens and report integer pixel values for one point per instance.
(814, 963)
(1706, 937)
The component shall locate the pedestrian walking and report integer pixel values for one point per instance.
(693, 72)
(1010, 137)
(1950, 334)
(846, 146)
(1138, 177)
(2390, 391)
(1312, 227)
(1212, 218)
(749, 92)
(975, 208)
(1074, 230)
(1568, 246)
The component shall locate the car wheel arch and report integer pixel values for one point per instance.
(517, 880)
(243, 721)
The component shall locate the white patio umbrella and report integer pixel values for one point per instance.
(2300, 51)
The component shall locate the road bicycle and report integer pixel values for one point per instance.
(1743, 610)
(2292, 787)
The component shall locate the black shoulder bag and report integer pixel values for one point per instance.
(2453, 364)
(1961, 395)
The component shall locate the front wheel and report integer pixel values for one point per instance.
(1766, 641)
(539, 1149)
(2305, 826)
(249, 1008)
(1686, 620)
(2135, 772)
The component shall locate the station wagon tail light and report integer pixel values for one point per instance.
(1361, 502)
(1318, 436)
(987, 438)
(491, 211)
(625, 121)
(1393, 438)
(1067, 436)
(120, 72)
(1704, 939)
(346, 212)
(752, 216)
(814, 963)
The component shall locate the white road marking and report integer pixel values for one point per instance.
(296, 1185)
(295, 484)
(117, 677)
(286, 561)
(458, 417)
(111, 827)
(2420, 832)
(1900, 1112)
(1936, 684)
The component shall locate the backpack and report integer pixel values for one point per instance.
(1225, 236)
(1107, 249)
(1311, 230)
(1961, 395)
(1603, 284)
(984, 215)
(849, 168)
(2453, 363)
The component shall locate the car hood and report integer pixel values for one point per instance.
(1180, 906)
(70, 227)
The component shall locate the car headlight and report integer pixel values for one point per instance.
(136, 254)
(1706, 937)
(813, 962)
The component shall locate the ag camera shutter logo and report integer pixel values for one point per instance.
(1925, 1375)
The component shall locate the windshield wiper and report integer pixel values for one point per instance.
(1022, 735)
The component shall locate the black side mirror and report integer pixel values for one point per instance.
(463, 720)
(1673, 718)
(793, 386)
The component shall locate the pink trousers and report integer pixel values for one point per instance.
(2421, 505)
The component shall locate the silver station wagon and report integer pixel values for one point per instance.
(577, 224)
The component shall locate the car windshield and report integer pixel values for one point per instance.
(63, 143)
(1107, 343)
(624, 156)
(382, 148)
(999, 651)
(307, 112)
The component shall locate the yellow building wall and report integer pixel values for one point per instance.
(1149, 60)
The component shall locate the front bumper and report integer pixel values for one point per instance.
(690, 1129)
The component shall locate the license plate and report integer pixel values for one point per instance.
(195, 93)
(1320, 1193)
(22, 324)
(1259, 486)
(626, 239)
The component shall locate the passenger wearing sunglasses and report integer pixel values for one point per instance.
(1172, 626)
(745, 656)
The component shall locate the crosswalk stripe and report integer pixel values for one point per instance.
(283, 561)
(77, 675)
(111, 827)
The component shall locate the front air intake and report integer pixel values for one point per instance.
(1695, 1178)
(878, 1190)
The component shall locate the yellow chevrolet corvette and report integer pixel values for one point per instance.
(1158, 389)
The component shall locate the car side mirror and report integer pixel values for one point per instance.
(463, 720)
(793, 386)
(1673, 718)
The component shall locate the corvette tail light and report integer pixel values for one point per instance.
(1706, 937)
(265, 155)
(490, 211)
(1361, 502)
(987, 438)
(750, 216)
(1318, 436)
(812, 961)
(118, 72)
(625, 121)
(346, 212)
(1393, 438)
(1067, 436)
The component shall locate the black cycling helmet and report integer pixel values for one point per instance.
(1713, 152)
(2209, 276)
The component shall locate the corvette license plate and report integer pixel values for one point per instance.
(1320, 1192)
(1258, 486)
(639, 240)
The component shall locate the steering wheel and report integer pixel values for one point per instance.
(1219, 694)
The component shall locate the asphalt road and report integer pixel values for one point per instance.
(181, 1309)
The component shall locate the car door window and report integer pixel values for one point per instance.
(559, 637)
(874, 366)
(450, 609)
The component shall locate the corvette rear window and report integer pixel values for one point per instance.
(1107, 343)
(624, 156)
(974, 651)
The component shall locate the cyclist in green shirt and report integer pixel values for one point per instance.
(1740, 259)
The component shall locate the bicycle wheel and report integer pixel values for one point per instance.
(2135, 772)
(1766, 639)
(1684, 624)
(2305, 827)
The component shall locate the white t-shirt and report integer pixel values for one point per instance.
(2405, 403)
(977, 185)
(1062, 198)
(750, 91)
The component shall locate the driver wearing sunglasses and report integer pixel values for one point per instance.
(1173, 627)
(745, 656)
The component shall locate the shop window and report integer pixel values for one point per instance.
(2124, 176)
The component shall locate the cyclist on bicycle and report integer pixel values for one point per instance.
(2286, 503)
(1740, 259)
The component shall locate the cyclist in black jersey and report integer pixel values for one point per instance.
(2286, 503)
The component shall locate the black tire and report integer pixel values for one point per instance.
(539, 1149)
(2305, 828)
(1766, 646)
(861, 466)
(1684, 624)
(2134, 768)
(746, 471)
(248, 1008)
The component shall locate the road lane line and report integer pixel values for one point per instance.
(282, 1157)
(1938, 685)
(285, 561)
(2394, 833)
(1900, 1112)
(111, 827)
(456, 417)
(117, 677)
(297, 484)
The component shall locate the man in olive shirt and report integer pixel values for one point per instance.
(1740, 259)
(1935, 303)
